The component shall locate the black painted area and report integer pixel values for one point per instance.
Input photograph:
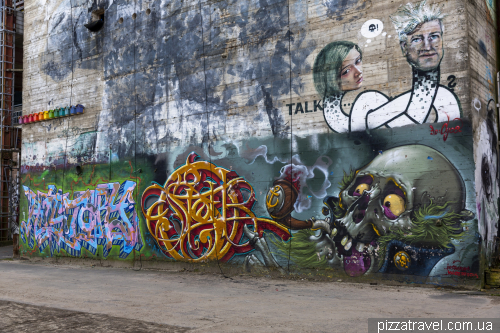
(337, 8)
(482, 49)
(182, 56)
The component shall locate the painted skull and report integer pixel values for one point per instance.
(383, 196)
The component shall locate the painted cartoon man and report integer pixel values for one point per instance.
(420, 30)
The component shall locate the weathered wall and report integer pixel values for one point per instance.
(482, 51)
(237, 132)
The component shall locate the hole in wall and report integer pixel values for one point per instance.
(134, 15)
(97, 14)
(79, 170)
(148, 11)
(120, 20)
(96, 21)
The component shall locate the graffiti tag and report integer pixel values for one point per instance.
(33, 168)
(460, 271)
(452, 84)
(104, 216)
(305, 108)
(446, 129)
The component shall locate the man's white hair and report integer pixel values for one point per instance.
(408, 17)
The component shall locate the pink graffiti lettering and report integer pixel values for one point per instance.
(33, 168)
(460, 270)
(465, 274)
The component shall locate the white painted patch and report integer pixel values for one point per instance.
(372, 28)
(368, 40)
(385, 33)
(476, 103)
(454, 44)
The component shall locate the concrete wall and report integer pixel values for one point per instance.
(483, 60)
(314, 137)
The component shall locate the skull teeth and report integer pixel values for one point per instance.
(334, 232)
(344, 240)
(370, 248)
(348, 245)
(360, 247)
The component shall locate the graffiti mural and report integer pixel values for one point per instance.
(491, 4)
(103, 216)
(400, 209)
(338, 69)
(389, 220)
(204, 212)
(251, 136)
(487, 180)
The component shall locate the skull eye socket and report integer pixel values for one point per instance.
(362, 183)
(360, 189)
(394, 205)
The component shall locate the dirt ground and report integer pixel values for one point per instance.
(55, 298)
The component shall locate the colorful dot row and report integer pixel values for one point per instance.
(52, 114)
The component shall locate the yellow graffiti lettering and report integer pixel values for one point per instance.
(200, 212)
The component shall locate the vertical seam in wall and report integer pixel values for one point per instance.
(135, 72)
(168, 68)
(103, 55)
(497, 69)
(97, 121)
(208, 121)
(471, 117)
(70, 94)
(205, 84)
(208, 132)
(291, 118)
(468, 46)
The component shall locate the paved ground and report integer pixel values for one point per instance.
(124, 300)
(22, 317)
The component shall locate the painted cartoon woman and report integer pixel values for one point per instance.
(420, 30)
(337, 69)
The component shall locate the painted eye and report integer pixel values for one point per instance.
(361, 188)
(346, 71)
(394, 205)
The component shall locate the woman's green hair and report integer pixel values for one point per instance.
(327, 67)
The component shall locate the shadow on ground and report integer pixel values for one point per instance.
(21, 317)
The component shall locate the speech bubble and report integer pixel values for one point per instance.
(372, 28)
